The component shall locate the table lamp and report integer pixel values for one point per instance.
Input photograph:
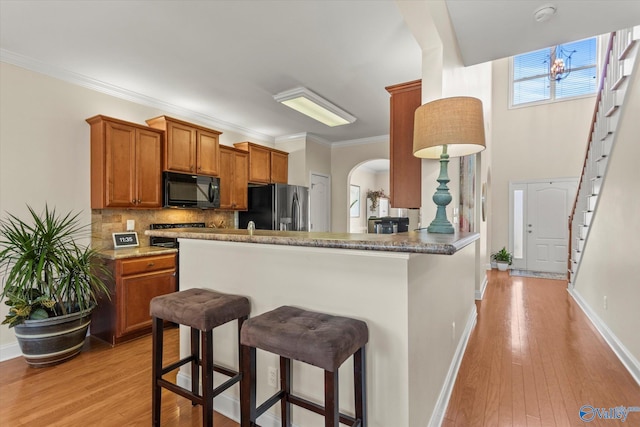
(448, 127)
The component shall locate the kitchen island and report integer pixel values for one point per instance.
(415, 291)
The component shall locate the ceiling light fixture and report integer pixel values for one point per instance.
(313, 105)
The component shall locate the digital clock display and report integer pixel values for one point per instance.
(125, 240)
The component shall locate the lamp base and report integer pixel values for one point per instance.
(440, 227)
(442, 198)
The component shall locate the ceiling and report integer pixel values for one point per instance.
(224, 60)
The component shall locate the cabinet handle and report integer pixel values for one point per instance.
(139, 200)
(151, 264)
(133, 202)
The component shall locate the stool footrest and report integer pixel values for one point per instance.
(195, 398)
(269, 403)
(319, 409)
(176, 365)
(224, 371)
(225, 385)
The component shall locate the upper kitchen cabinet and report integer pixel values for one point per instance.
(189, 148)
(126, 164)
(405, 169)
(234, 178)
(266, 165)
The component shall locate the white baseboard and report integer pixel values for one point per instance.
(483, 287)
(9, 351)
(229, 406)
(628, 360)
(445, 394)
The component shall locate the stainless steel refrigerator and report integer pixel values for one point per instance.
(277, 207)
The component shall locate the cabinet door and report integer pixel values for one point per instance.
(136, 294)
(207, 153)
(181, 148)
(241, 181)
(259, 165)
(120, 156)
(405, 174)
(148, 169)
(226, 177)
(279, 167)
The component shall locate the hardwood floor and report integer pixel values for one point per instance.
(102, 386)
(533, 359)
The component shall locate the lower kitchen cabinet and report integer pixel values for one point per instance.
(134, 283)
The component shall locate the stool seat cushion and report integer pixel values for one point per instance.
(202, 309)
(315, 338)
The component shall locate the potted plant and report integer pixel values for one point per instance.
(374, 196)
(50, 283)
(503, 258)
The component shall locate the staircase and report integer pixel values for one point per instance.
(621, 57)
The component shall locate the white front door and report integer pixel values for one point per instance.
(540, 231)
(320, 202)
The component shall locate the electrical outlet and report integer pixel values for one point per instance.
(605, 303)
(131, 225)
(272, 380)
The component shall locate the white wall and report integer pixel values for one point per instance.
(545, 141)
(609, 265)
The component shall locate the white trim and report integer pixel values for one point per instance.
(118, 92)
(483, 287)
(9, 351)
(362, 141)
(628, 360)
(445, 393)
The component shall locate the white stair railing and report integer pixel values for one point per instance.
(621, 58)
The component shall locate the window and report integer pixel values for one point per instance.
(530, 74)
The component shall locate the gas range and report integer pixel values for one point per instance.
(168, 242)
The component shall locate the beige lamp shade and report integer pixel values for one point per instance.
(455, 122)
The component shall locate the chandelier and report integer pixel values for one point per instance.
(559, 63)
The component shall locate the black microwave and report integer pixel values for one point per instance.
(191, 191)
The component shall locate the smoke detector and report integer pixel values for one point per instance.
(544, 13)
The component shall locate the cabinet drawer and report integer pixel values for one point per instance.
(147, 264)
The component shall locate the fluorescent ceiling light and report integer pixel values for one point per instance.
(310, 104)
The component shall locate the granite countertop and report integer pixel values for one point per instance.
(135, 252)
(412, 241)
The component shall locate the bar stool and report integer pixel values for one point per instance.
(202, 310)
(315, 338)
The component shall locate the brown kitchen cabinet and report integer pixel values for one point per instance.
(134, 282)
(189, 148)
(234, 178)
(126, 164)
(266, 165)
(405, 172)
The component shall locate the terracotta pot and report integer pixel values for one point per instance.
(50, 341)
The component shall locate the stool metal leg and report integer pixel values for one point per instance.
(156, 367)
(360, 385)
(195, 363)
(248, 387)
(331, 401)
(285, 385)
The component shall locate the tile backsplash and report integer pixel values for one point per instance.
(104, 222)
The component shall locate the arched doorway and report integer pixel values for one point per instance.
(372, 175)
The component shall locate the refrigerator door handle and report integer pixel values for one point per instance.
(295, 212)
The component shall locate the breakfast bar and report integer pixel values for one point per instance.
(414, 290)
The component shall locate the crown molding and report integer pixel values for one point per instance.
(118, 92)
(362, 141)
